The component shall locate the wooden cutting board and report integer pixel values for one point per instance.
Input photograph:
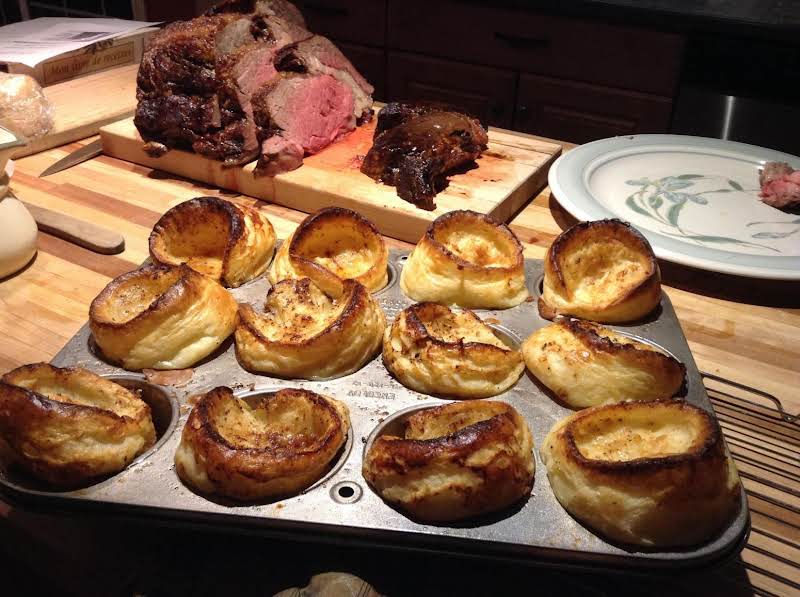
(509, 173)
(81, 106)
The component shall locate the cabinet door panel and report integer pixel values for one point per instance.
(579, 112)
(359, 21)
(538, 43)
(370, 62)
(486, 92)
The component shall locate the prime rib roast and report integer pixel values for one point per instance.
(247, 80)
(416, 144)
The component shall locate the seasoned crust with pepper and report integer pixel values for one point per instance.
(603, 271)
(468, 260)
(434, 350)
(645, 473)
(305, 333)
(70, 426)
(228, 242)
(255, 448)
(586, 364)
(454, 461)
(161, 317)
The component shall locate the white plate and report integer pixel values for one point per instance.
(695, 199)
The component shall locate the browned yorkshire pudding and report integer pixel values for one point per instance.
(586, 364)
(454, 461)
(256, 448)
(69, 426)
(434, 350)
(604, 271)
(469, 260)
(161, 317)
(228, 242)
(646, 473)
(306, 333)
(337, 243)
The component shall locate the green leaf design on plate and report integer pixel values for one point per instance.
(674, 211)
(703, 238)
(638, 183)
(655, 201)
(689, 176)
(775, 234)
(631, 203)
(797, 221)
(735, 184)
(719, 191)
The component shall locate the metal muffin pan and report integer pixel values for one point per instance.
(342, 506)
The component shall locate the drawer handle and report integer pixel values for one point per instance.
(522, 42)
(326, 9)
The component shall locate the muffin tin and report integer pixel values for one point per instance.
(342, 505)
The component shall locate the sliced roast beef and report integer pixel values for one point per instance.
(416, 154)
(240, 73)
(197, 82)
(317, 55)
(299, 114)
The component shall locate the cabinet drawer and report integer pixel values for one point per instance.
(486, 92)
(359, 21)
(574, 49)
(580, 112)
(370, 62)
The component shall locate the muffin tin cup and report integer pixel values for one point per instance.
(164, 411)
(342, 504)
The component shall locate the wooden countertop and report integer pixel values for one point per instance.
(744, 330)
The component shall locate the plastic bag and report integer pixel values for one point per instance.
(24, 109)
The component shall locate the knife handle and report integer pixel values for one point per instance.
(77, 231)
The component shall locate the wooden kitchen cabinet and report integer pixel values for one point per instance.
(358, 21)
(370, 62)
(486, 92)
(581, 112)
(536, 42)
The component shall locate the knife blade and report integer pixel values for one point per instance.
(87, 152)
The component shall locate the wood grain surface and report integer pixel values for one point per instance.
(743, 330)
(81, 106)
(511, 170)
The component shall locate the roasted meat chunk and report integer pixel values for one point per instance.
(780, 185)
(417, 152)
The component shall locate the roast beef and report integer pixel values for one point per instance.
(299, 114)
(780, 185)
(239, 74)
(317, 55)
(197, 81)
(199, 60)
(396, 113)
(418, 145)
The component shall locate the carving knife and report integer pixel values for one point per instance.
(87, 152)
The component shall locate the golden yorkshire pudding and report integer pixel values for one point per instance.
(305, 333)
(646, 473)
(604, 271)
(256, 448)
(454, 461)
(161, 317)
(69, 426)
(434, 350)
(337, 243)
(586, 364)
(230, 243)
(469, 260)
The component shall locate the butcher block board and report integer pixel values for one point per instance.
(81, 106)
(508, 174)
